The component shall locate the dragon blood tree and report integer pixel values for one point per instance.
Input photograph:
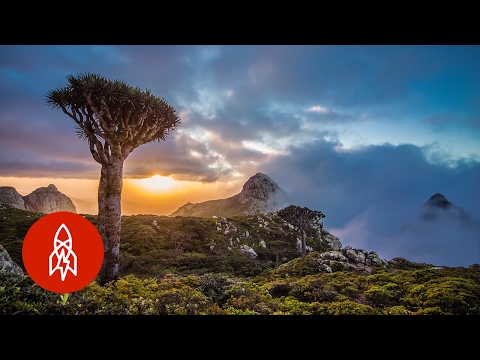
(115, 118)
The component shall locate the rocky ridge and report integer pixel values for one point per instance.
(44, 200)
(337, 258)
(269, 222)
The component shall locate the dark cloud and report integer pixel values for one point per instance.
(39, 149)
(372, 194)
(447, 121)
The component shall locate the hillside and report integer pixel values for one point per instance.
(241, 265)
(151, 244)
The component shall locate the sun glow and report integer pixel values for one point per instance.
(156, 183)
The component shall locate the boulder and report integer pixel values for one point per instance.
(7, 265)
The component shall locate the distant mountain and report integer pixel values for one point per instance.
(438, 206)
(44, 199)
(86, 206)
(259, 195)
(440, 233)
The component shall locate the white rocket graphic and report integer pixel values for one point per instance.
(62, 257)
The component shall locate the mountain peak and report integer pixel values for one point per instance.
(438, 200)
(259, 186)
(438, 205)
(52, 187)
(260, 194)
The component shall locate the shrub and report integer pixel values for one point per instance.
(280, 289)
(183, 300)
(250, 296)
(351, 308)
(19, 295)
(380, 296)
(450, 295)
(214, 286)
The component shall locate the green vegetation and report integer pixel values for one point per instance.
(194, 266)
(14, 225)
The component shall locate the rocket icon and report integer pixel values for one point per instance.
(62, 257)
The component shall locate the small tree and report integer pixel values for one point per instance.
(278, 248)
(115, 118)
(302, 218)
(179, 238)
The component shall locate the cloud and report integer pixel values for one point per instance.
(447, 121)
(371, 193)
(446, 240)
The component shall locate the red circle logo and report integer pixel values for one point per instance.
(62, 252)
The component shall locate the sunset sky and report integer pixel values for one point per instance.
(364, 133)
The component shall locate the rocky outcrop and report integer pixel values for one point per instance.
(7, 265)
(332, 240)
(357, 260)
(47, 200)
(345, 259)
(237, 235)
(44, 200)
(259, 195)
(9, 195)
(262, 195)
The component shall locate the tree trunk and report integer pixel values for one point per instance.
(304, 243)
(109, 217)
